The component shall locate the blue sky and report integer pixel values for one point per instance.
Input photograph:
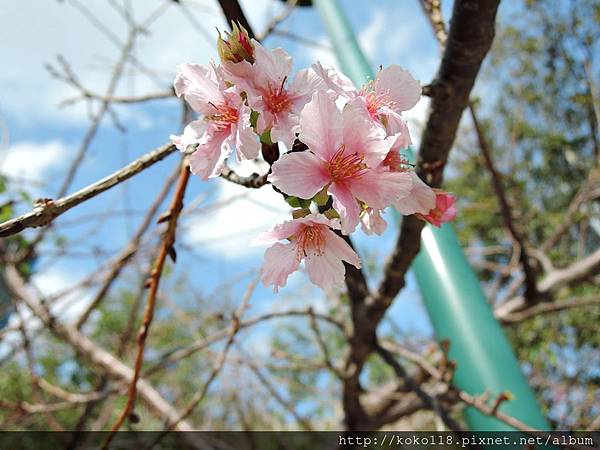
(40, 139)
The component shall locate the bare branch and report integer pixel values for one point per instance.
(166, 250)
(218, 366)
(531, 291)
(548, 308)
(277, 20)
(47, 210)
(254, 181)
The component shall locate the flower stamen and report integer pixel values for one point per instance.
(344, 167)
(309, 240)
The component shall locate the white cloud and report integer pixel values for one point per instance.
(32, 161)
(227, 231)
(30, 92)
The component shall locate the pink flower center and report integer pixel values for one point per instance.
(375, 101)
(224, 116)
(309, 239)
(343, 167)
(277, 99)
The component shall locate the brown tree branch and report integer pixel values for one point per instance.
(166, 250)
(471, 35)
(548, 308)
(254, 181)
(531, 291)
(46, 210)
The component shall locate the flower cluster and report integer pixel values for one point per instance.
(344, 166)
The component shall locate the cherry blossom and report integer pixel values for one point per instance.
(421, 198)
(271, 94)
(312, 239)
(225, 122)
(345, 150)
(444, 210)
(393, 91)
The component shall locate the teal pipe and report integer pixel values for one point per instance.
(452, 294)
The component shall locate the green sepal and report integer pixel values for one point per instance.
(265, 138)
(322, 197)
(331, 214)
(253, 119)
(301, 212)
(296, 202)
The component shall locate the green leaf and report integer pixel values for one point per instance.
(265, 138)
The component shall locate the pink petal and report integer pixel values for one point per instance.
(362, 135)
(192, 134)
(398, 85)
(421, 198)
(271, 66)
(246, 141)
(280, 261)
(240, 73)
(278, 232)
(199, 85)
(335, 81)
(397, 127)
(284, 128)
(321, 125)
(325, 270)
(207, 161)
(372, 222)
(380, 189)
(300, 174)
(305, 83)
(340, 248)
(346, 205)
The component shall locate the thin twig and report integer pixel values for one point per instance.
(254, 181)
(531, 290)
(47, 210)
(153, 282)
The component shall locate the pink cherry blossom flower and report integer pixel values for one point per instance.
(393, 91)
(444, 210)
(311, 239)
(226, 120)
(269, 93)
(345, 150)
(421, 198)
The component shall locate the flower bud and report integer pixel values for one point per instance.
(237, 46)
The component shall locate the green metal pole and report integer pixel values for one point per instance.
(452, 294)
